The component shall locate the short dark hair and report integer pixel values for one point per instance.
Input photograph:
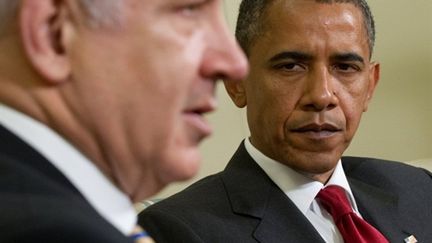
(251, 17)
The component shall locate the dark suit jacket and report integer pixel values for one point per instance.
(38, 204)
(241, 204)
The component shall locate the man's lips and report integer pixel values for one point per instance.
(195, 117)
(314, 127)
(317, 131)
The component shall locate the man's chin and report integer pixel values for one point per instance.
(181, 166)
(311, 164)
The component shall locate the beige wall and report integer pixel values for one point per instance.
(398, 124)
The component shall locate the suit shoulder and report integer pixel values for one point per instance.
(387, 174)
(200, 193)
(182, 215)
(200, 213)
(206, 198)
(56, 221)
(353, 163)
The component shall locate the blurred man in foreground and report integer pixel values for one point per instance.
(101, 105)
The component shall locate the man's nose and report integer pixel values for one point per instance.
(224, 58)
(319, 93)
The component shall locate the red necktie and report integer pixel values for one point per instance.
(352, 228)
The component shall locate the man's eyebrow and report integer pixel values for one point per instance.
(347, 57)
(294, 55)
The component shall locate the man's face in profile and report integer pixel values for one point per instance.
(145, 85)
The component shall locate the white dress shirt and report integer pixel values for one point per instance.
(97, 189)
(302, 191)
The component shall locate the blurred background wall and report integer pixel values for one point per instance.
(398, 125)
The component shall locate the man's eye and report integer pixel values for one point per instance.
(346, 67)
(190, 9)
(291, 67)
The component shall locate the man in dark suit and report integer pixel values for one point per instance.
(311, 79)
(101, 105)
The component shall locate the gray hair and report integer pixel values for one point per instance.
(251, 17)
(102, 12)
(98, 12)
(7, 12)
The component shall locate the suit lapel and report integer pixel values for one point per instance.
(283, 222)
(378, 207)
(252, 194)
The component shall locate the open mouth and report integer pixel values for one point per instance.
(195, 118)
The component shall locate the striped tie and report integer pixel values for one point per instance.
(140, 236)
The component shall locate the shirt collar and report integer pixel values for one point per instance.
(96, 188)
(299, 188)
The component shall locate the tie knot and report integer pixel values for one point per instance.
(335, 201)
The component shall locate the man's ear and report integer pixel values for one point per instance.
(43, 26)
(374, 76)
(237, 92)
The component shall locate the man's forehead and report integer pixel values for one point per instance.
(300, 28)
(274, 48)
